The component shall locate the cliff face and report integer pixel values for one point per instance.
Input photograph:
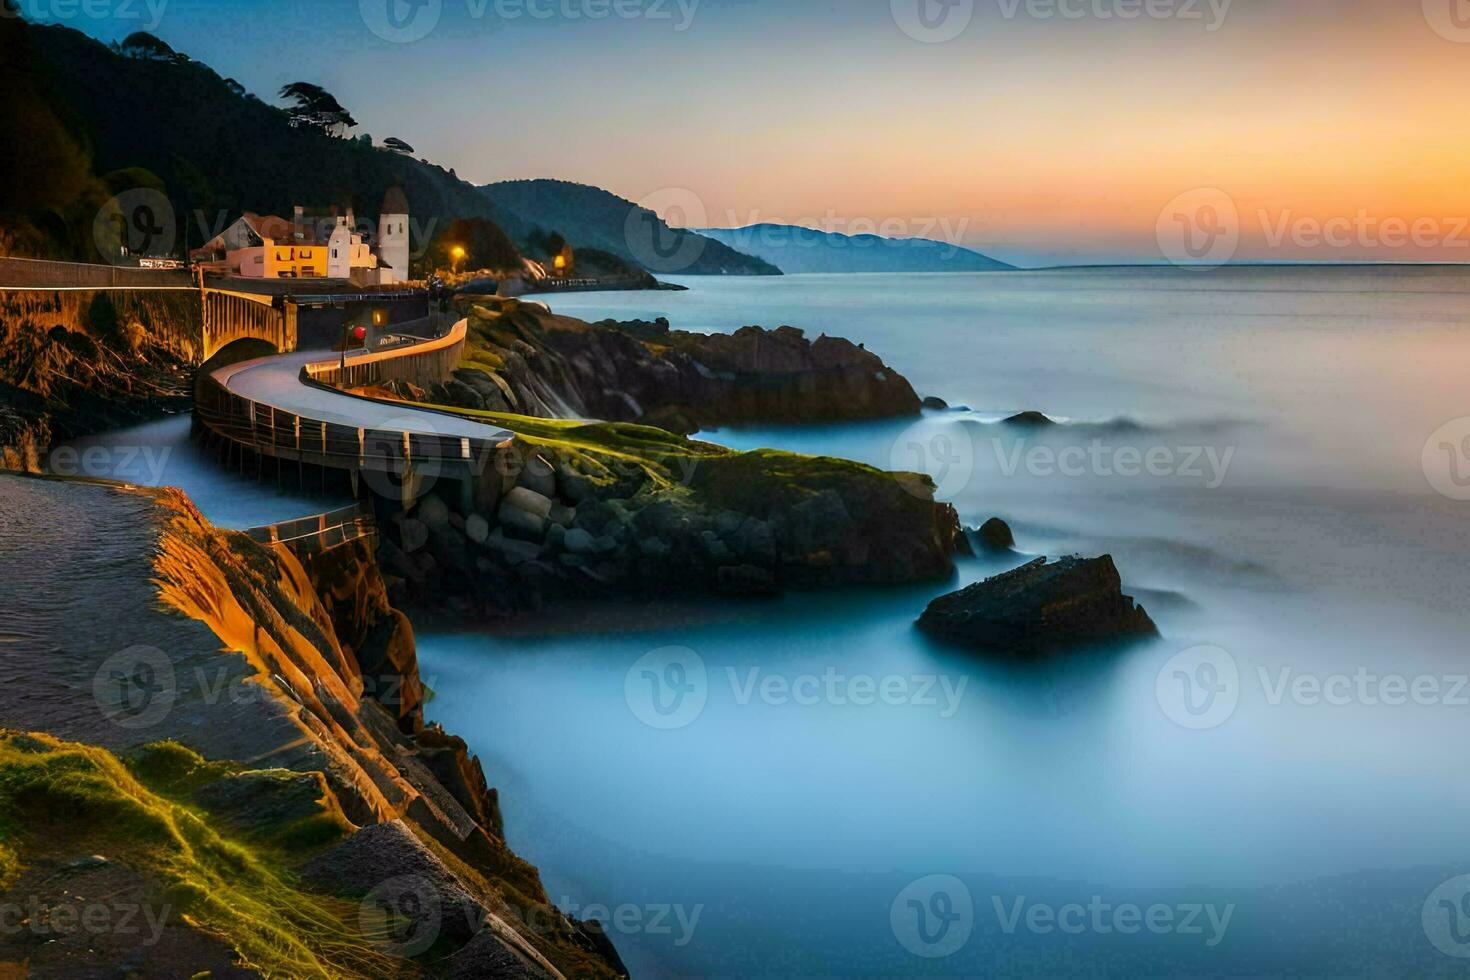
(524, 360)
(256, 720)
(77, 363)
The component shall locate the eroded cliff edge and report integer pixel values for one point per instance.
(77, 363)
(231, 738)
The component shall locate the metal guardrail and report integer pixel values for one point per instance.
(270, 431)
(322, 532)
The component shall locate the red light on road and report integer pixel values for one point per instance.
(359, 333)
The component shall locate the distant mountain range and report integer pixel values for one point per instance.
(94, 122)
(590, 217)
(796, 250)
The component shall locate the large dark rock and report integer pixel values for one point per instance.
(995, 535)
(1040, 607)
(643, 371)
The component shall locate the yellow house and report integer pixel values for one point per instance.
(270, 247)
(296, 261)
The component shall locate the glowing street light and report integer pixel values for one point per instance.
(457, 254)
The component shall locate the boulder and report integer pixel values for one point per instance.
(414, 534)
(1040, 607)
(529, 501)
(995, 535)
(433, 512)
(538, 476)
(515, 552)
(477, 529)
(580, 542)
(522, 524)
(1030, 419)
(935, 402)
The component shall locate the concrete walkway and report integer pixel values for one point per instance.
(276, 381)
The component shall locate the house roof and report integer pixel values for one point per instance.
(271, 226)
(394, 202)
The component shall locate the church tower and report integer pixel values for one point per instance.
(393, 237)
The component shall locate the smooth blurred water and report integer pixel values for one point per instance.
(791, 834)
(163, 454)
(1289, 522)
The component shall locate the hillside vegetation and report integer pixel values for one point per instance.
(176, 124)
(589, 217)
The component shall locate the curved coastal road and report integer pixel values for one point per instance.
(276, 381)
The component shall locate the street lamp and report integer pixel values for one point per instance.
(457, 254)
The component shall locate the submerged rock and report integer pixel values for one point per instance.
(1039, 607)
(1035, 419)
(935, 402)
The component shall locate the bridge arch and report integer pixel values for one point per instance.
(232, 316)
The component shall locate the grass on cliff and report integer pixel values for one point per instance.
(760, 481)
(58, 798)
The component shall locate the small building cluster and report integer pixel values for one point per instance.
(330, 246)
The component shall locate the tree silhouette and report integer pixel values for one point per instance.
(143, 45)
(317, 109)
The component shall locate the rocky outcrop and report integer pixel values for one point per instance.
(584, 519)
(995, 535)
(1040, 607)
(524, 360)
(78, 363)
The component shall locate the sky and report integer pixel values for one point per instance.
(1037, 130)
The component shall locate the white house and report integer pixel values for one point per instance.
(326, 247)
(393, 245)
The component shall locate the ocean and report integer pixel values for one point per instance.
(1278, 459)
